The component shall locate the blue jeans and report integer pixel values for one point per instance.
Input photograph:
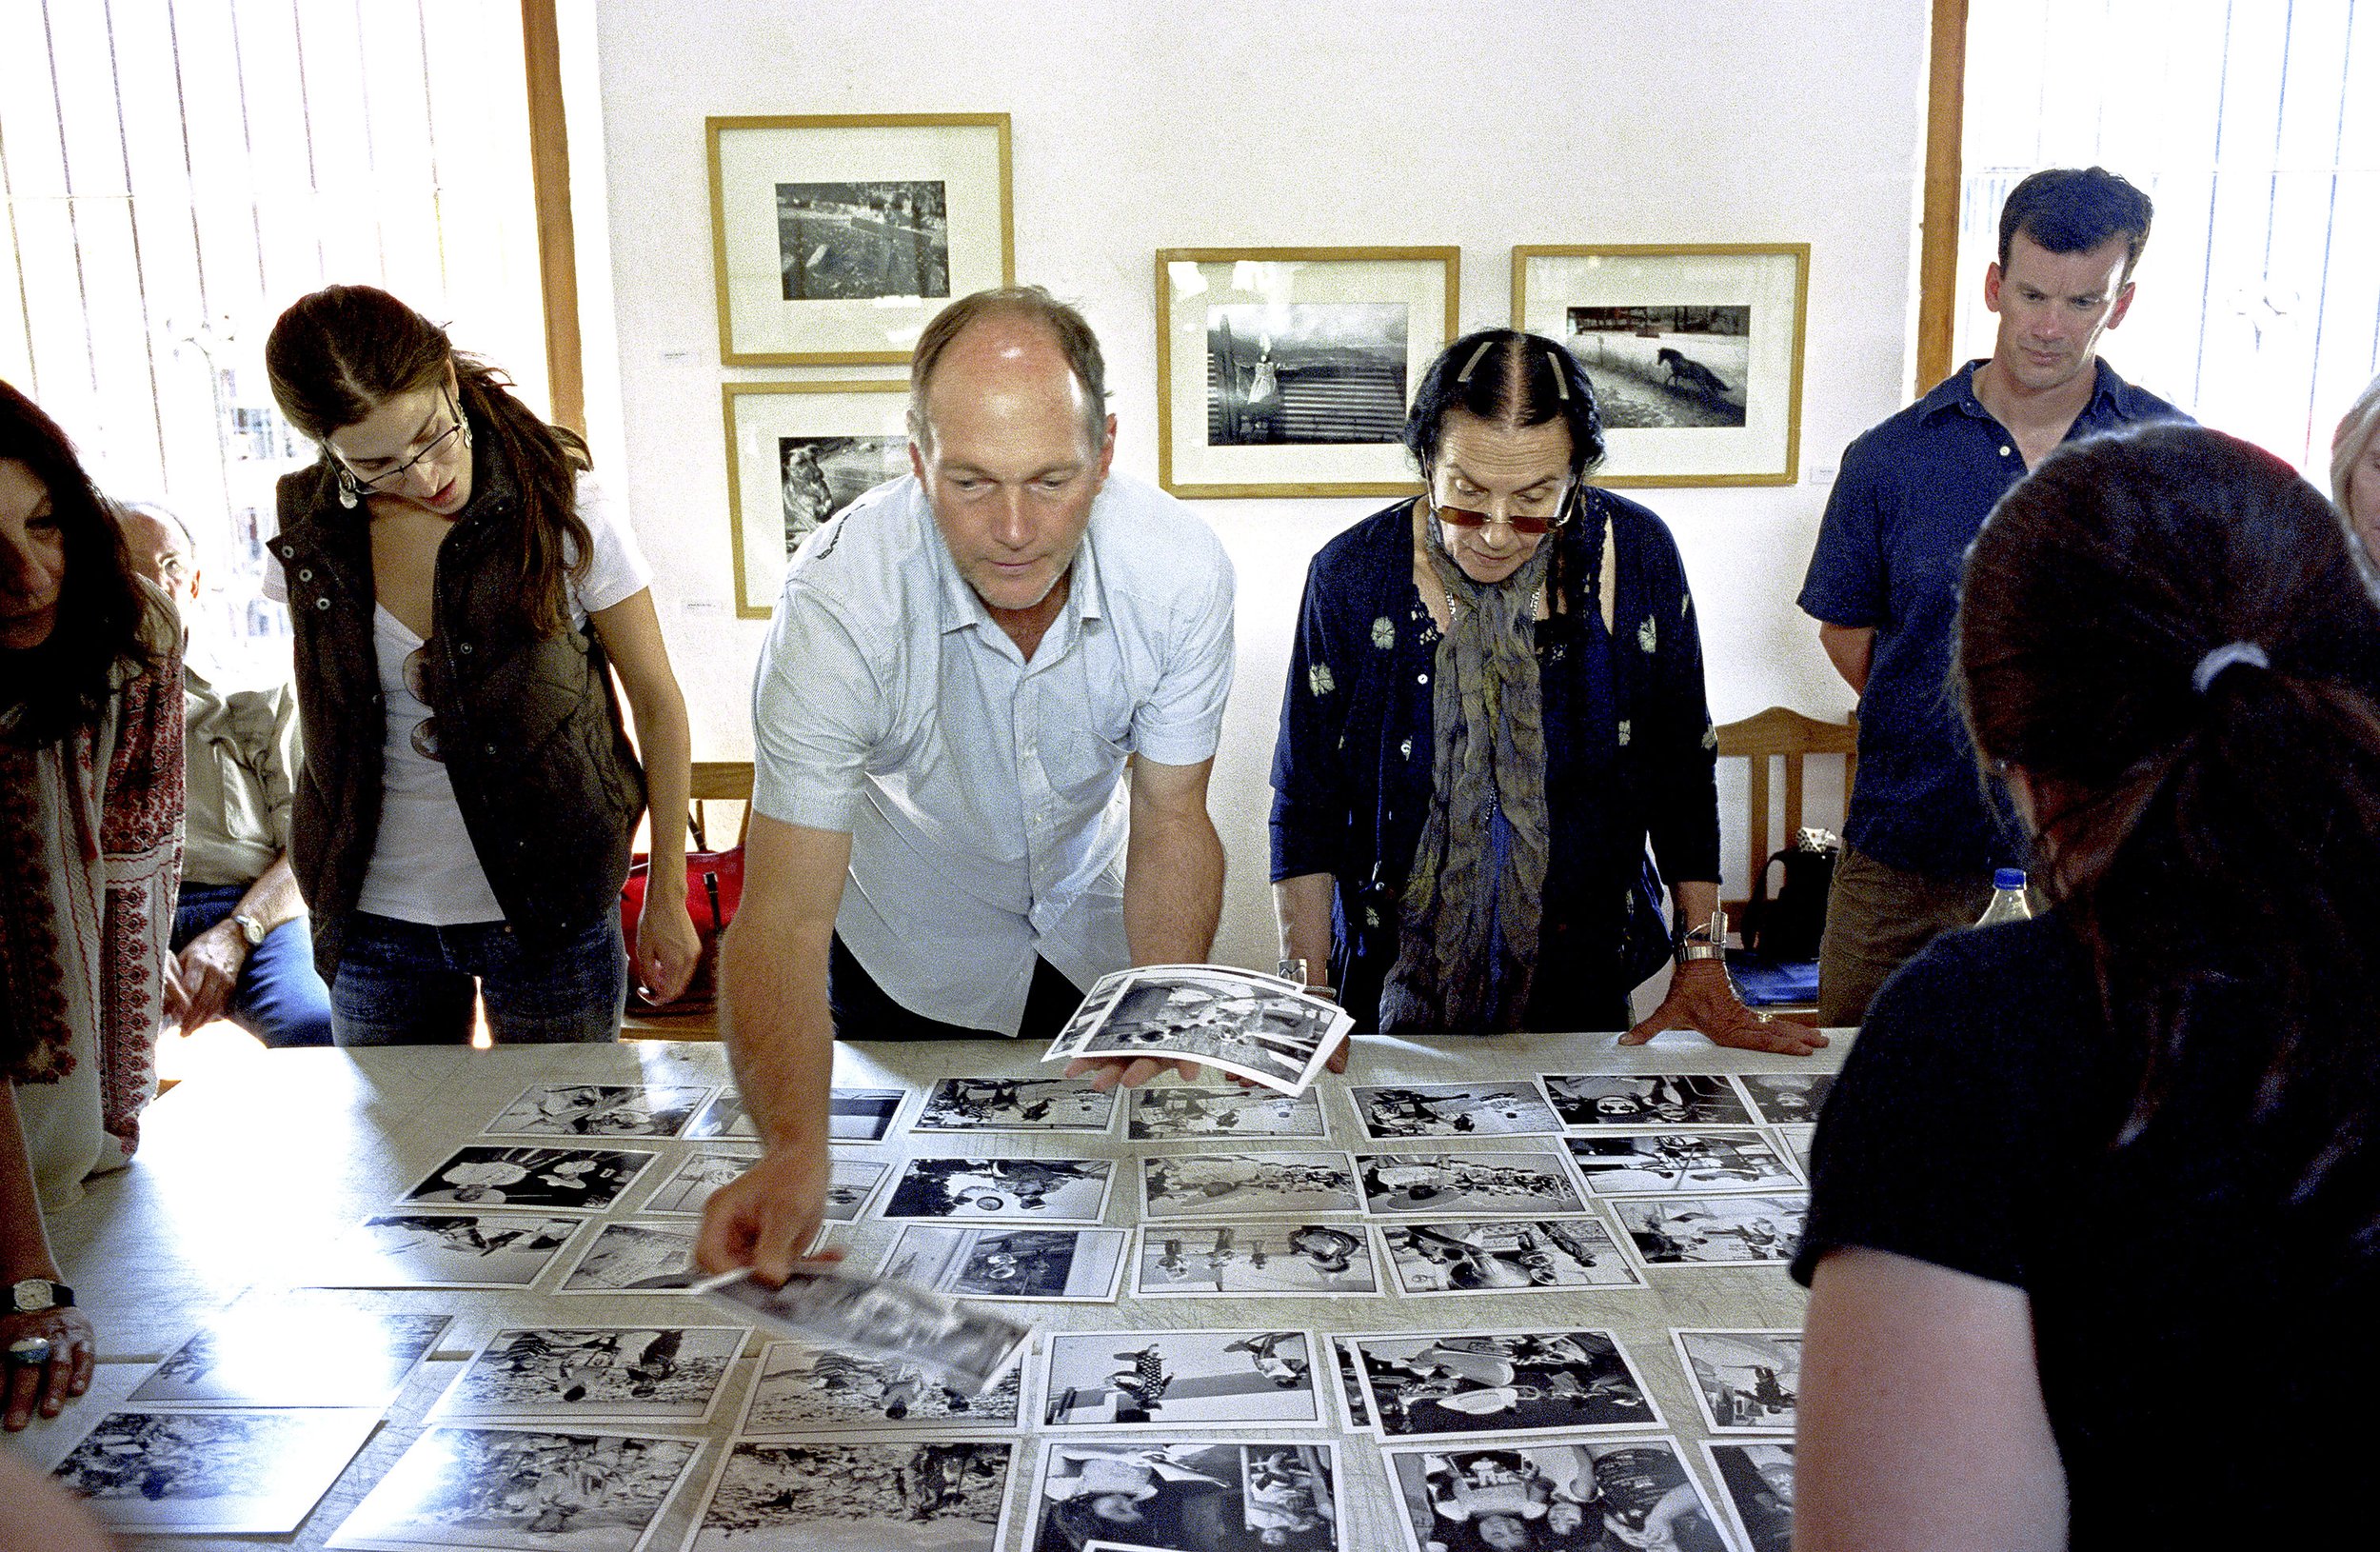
(406, 983)
(278, 998)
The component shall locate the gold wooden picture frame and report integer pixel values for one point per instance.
(1287, 371)
(1695, 350)
(797, 454)
(835, 236)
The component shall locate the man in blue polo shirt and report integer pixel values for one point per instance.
(1924, 833)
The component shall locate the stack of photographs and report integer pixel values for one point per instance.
(1259, 1027)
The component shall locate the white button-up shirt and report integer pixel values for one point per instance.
(982, 793)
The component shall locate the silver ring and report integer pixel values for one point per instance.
(29, 1351)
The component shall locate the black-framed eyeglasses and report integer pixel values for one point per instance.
(439, 446)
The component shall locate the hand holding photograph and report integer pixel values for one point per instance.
(1255, 1026)
(827, 1307)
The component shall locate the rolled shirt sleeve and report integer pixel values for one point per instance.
(1181, 722)
(1846, 582)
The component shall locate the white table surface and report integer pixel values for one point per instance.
(243, 1176)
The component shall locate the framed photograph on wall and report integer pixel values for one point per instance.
(1694, 350)
(1287, 371)
(797, 454)
(835, 236)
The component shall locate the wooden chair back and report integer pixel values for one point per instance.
(723, 780)
(1780, 734)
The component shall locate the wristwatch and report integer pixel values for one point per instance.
(35, 1294)
(251, 928)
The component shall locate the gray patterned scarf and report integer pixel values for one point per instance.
(1449, 977)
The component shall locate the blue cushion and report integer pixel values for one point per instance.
(1765, 982)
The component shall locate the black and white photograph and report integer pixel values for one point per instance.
(447, 1251)
(828, 1307)
(1797, 1141)
(1756, 1484)
(1034, 1190)
(1646, 1100)
(636, 1257)
(521, 1490)
(725, 1116)
(1659, 366)
(1506, 1254)
(1179, 1185)
(1249, 1025)
(1712, 1230)
(837, 242)
(245, 1473)
(1079, 1264)
(821, 476)
(600, 1110)
(1304, 372)
(1350, 1382)
(1392, 1113)
(1788, 1099)
(854, 1115)
(292, 1349)
(1186, 1496)
(702, 1171)
(1199, 1378)
(1016, 1104)
(1403, 1185)
(1642, 1164)
(1254, 1258)
(1540, 1492)
(663, 1375)
(1168, 1112)
(893, 1496)
(1457, 1384)
(549, 1180)
(1745, 1382)
(804, 1390)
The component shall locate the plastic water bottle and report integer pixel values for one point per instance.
(2007, 898)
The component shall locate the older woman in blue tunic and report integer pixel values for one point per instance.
(1494, 702)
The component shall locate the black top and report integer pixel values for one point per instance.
(2206, 1362)
(1629, 750)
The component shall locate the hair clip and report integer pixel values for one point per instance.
(2228, 655)
(1462, 378)
(1561, 383)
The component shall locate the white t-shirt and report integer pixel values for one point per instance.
(422, 867)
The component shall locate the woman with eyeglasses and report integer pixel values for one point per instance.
(461, 591)
(1495, 702)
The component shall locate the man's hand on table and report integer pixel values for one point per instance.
(768, 1217)
(1111, 1072)
(47, 1386)
(1702, 998)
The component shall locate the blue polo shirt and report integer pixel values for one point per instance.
(1913, 493)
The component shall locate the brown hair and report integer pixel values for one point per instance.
(336, 355)
(2213, 841)
(1067, 327)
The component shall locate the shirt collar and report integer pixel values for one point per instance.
(1958, 391)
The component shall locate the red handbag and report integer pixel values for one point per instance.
(714, 886)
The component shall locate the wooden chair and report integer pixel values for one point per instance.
(715, 780)
(1789, 736)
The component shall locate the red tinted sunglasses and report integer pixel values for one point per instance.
(1528, 527)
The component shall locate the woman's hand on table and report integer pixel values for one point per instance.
(1702, 998)
(768, 1216)
(47, 1386)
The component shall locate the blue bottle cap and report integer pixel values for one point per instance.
(2008, 878)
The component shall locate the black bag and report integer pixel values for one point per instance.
(1788, 926)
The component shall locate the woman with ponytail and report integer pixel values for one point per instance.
(461, 591)
(2093, 1201)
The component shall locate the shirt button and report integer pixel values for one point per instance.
(321, 603)
(305, 574)
(2004, 449)
(1421, 679)
(465, 648)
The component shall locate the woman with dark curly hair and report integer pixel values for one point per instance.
(91, 845)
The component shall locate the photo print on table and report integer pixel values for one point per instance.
(853, 1115)
(1788, 1099)
(288, 1349)
(804, 1390)
(1255, 1026)
(1187, 1496)
(521, 1490)
(1406, 1184)
(1608, 1099)
(845, 240)
(1179, 1185)
(826, 1306)
(1756, 1484)
(239, 1473)
(636, 1257)
(1079, 1264)
(1506, 1254)
(888, 1496)
(661, 1375)
(1745, 1382)
(1305, 372)
(600, 1110)
(447, 1250)
(1640, 1164)
(1278, 1256)
(702, 1171)
(1016, 1104)
(821, 476)
(1195, 1379)
(1544, 1490)
(1389, 1113)
(1796, 1141)
(1460, 1385)
(1035, 1190)
(1350, 1382)
(549, 1180)
(1712, 1230)
(1168, 1111)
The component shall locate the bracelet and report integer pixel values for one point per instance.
(1688, 953)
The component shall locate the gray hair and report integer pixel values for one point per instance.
(1066, 326)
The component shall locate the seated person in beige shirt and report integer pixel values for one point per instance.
(240, 939)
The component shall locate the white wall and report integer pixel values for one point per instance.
(1139, 126)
